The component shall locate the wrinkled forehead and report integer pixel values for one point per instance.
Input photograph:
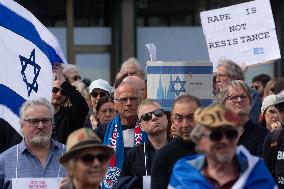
(126, 90)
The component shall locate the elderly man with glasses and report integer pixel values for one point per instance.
(222, 164)
(70, 106)
(123, 132)
(37, 155)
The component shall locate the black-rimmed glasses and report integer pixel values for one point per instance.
(34, 122)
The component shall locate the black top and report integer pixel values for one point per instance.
(8, 136)
(253, 138)
(273, 155)
(68, 119)
(165, 160)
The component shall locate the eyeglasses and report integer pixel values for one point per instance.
(76, 77)
(34, 122)
(236, 97)
(217, 134)
(56, 89)
(88, 159)
(148, 116)
(96, 94)
(124, 100)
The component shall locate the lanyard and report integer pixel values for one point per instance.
(58, 172)
(145, 157)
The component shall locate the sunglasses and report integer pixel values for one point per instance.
(96, 94)
(88, 159)
(217, 134)
(55, 90)
(148, 116)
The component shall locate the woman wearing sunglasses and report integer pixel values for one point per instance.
(222, 164)
(98, 89)
(85, 160)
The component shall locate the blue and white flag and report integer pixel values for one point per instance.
(27, 52)
(168, 80)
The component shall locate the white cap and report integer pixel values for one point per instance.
(268, 101)
(100, 84)
(272, 100)
(279, 97)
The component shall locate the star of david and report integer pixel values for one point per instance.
(181, 83)
(36, 69)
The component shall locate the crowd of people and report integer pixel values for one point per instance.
(91, 134)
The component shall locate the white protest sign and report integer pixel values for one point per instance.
(36, 183)
(168, 80)
(244, 33)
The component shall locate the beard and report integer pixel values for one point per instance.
(226, 157)
(40, 140)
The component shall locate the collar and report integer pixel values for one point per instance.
(23, 148)
(200, 162)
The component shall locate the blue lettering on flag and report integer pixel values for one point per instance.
(179, 69)
(19, 25)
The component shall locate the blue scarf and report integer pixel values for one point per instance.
(114, 138)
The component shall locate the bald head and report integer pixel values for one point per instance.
(138, 83)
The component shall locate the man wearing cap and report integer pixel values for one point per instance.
(222, 164)
(273, 153)
(37, 155)
(85, 160)
(182, 119)
(70, 117)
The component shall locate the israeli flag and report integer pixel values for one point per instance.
(27, 52)
(168, 80)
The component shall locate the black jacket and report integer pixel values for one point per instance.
(68, 119)
(165, 160)
(253, 138)
(134, 162)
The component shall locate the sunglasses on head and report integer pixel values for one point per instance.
(56, 89)
(96, 94)
(148, 116)
(88, 159)
(217, 134)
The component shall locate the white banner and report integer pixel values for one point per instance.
(36, 183)
(168, 80)
(244, 33)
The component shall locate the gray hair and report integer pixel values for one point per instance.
(68, 68)
(224, 94)
(197, 132)
(35, 102)
(133, 61)
(233, 70)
